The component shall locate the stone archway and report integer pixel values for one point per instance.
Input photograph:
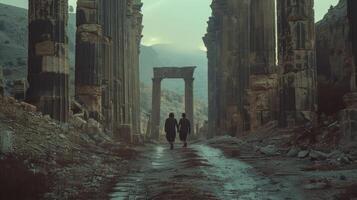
(161, 73)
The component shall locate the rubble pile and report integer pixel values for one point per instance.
(73, 159)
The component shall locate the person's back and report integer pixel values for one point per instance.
(184, 128)
(170, 129)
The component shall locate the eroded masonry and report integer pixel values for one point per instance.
(48, 57)
(254, 80)
(241, 65)
(107, 61)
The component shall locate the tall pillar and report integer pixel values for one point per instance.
(107, 21)
(348, 117)
(263, 79)
(90, 45)
(189, 102)
(155, 109)
(48, 57)
(297, 63)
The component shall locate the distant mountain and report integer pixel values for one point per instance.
(164, 55)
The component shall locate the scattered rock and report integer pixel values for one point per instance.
(316, 185)
(93, 127)
(293, 152)
(6, 140)
(269, 150)
(78, 122)
(318, 155)
(303, 154)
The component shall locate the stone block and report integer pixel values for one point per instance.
(45, 48)
(86, 4)
(19, 89)
(348, 125)
(6, 142)
(78, 122)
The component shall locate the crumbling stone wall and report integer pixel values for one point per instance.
(241, 50)
(48, 57)
(334, 59)
(297, 63)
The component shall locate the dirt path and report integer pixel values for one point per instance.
(198, 172)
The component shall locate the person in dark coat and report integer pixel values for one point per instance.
(170, 129)
(184, 129)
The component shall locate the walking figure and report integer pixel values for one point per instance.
(184, 129)
(170, 129)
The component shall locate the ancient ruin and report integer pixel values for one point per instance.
(90, 48)
(48, 57)
(107, 67)
(241, 65)
(297, 62)
(161, 73)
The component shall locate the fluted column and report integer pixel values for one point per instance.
(155, 109)
(48, 57)
(90, 45)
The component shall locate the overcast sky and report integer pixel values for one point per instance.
(179, 22)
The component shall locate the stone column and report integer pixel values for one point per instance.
(189, 102)
(155, 109)
(352, 17)
(90, 45)
(348, 116)
(263, 80)
(297, 62)
(48, 57)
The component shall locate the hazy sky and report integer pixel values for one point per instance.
(179, 22)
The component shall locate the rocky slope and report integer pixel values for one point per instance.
(41, 159)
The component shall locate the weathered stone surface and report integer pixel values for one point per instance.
(318, 155)
(6, 142)
(293, 152)
(48, 57)
(334, 58)
(108, 42)
(45, 48)
(296, 40)
(269, 150)
(241, 49)
(303, 154)
(19, 89)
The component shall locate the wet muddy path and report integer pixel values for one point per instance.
(197, 172)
